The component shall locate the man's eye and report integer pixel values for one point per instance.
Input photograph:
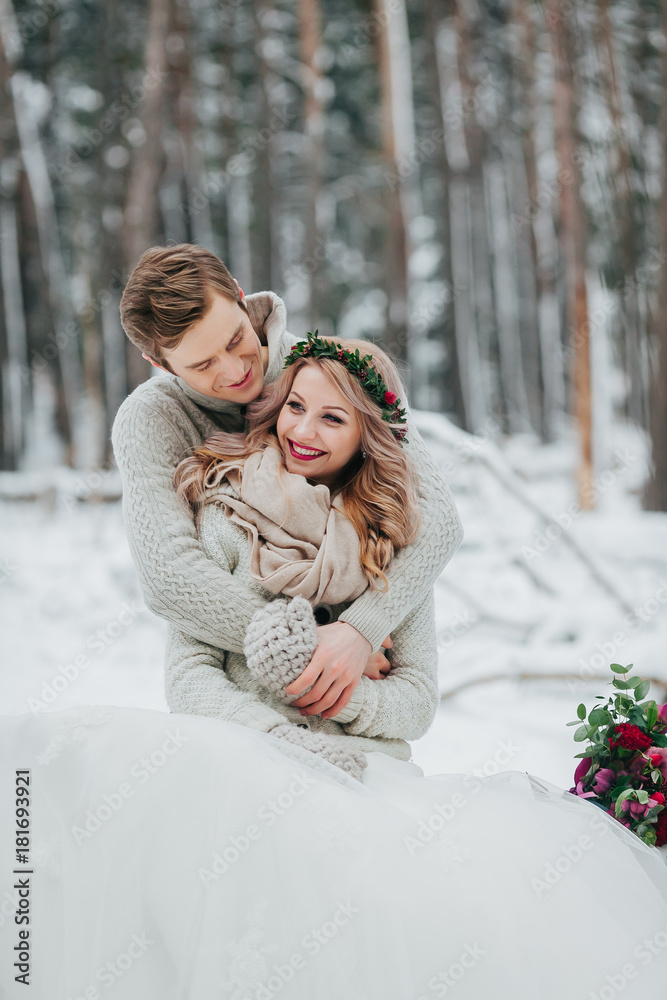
(235, 342)
(205, 367)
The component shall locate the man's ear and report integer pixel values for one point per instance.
(239, 288)
(155, 364)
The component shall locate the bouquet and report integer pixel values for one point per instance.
(624, 767)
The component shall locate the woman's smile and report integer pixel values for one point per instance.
(305, 454)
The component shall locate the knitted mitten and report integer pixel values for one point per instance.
(280, 643)
(332, 748)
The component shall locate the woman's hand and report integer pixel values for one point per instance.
(378, 665)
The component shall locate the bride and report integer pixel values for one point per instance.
(284, 848)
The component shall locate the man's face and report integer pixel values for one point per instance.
(221, 355)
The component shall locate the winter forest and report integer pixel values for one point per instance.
(480, 186)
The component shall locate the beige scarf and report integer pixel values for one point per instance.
(299, 543)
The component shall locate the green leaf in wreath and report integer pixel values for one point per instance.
(581, 711)
(581, 734)
(656, 778)
(599, 717)
(659, 739)
(618, 669)
(621, 685)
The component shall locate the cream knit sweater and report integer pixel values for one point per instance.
(154, 429)
(381, 715)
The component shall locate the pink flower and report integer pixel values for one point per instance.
(390, 397)
(662, 713)
(603, 780)
(582, 769)
(637, 809)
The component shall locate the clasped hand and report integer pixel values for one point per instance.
(342, 656)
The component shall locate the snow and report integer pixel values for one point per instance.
(75, 630)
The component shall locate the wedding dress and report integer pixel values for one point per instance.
(177, 857)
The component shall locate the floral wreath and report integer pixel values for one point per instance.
(363, 370)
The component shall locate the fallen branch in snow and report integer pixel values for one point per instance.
(527, 676)
(483, 615)
(482, 450)
(69, 485)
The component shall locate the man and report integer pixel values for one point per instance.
(217, 349)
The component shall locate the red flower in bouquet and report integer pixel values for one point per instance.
(630, 737)
(661, 829)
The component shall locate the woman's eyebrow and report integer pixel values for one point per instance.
(324, 407)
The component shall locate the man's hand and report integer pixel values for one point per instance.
(378, 666)
(334, 671)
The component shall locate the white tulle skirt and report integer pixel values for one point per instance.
(181, 858)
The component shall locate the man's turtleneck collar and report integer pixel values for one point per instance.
(266, 312)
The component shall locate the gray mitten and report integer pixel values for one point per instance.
(280, 643)
(332, 748)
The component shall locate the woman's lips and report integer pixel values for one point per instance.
(303, 458)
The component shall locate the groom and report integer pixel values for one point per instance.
(217, 348)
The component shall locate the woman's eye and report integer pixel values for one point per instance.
(294, 406)
(330, 416)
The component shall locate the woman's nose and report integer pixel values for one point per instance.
(304, 428)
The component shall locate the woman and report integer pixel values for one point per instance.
(186, 857)
(319, 421)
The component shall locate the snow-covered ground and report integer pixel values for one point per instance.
(517, 599)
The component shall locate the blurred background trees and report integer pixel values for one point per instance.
(478, 185)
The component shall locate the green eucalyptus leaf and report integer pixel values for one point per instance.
(581, 734)
(656, 778)
(621, 685)
(618, 669)
(581, 711)
(642, 690)
(599, 717)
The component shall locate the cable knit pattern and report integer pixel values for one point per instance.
(280, 643)
(381, 715)
(153, 430)
(334, 749)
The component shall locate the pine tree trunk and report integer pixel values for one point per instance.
(449, 324)
(310, 42)
(572, 237)
(402, 189)
(140, 227)
(656, 489)
(14, 370)
(473, 384)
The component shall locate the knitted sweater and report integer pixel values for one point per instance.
(381, 715)
(157, 425)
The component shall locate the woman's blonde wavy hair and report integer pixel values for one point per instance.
(378, 494)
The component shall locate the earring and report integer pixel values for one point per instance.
(363, 454)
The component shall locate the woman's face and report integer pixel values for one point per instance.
(318, 429)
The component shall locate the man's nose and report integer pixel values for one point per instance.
(232, 372)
